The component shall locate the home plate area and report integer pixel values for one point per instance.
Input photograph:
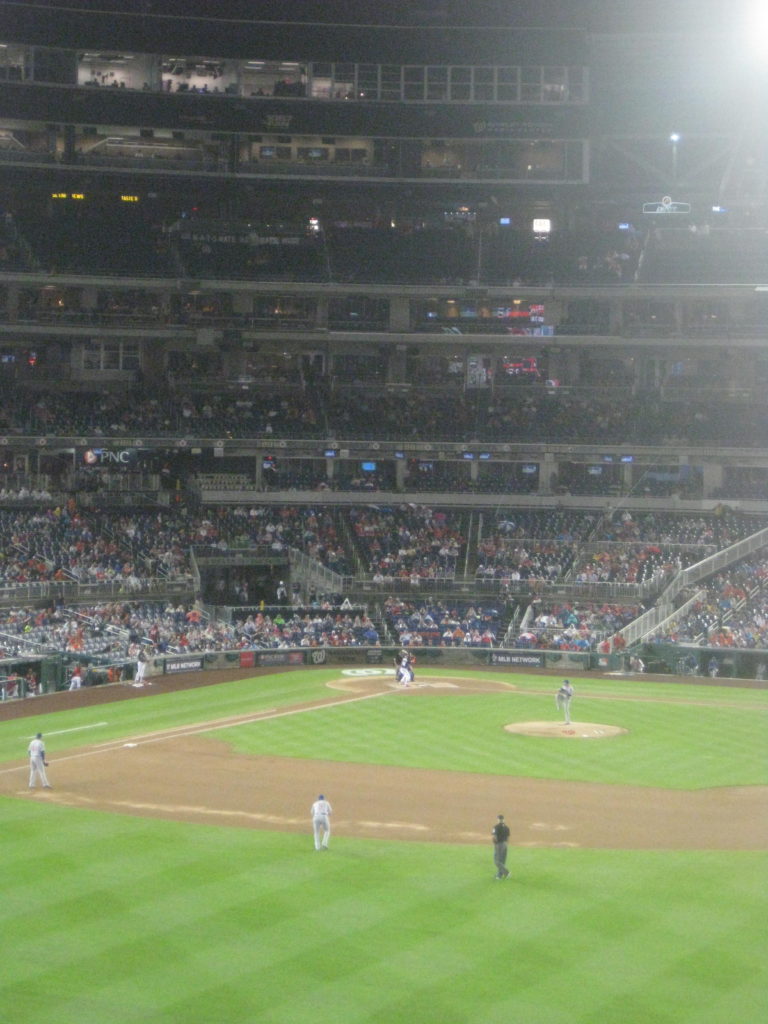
(378, 680)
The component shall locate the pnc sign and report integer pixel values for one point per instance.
(109, 456)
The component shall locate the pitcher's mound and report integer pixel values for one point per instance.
(574, 731)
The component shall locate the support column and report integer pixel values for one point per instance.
(616, 316)
(89, 298)
(712, 478)
(12, 302)
(547, 468)
(399, 314)
(396, 360)
(242, 304)
(69, 154)
(153, 360)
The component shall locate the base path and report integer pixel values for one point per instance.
(192, 775)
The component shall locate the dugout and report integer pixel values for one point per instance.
(693, 660)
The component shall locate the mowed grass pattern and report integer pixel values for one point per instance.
(684, 746)
(108, 918)
(119, 919)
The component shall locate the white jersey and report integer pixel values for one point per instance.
(37, 748)
(321, 809)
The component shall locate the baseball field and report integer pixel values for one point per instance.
(170, 877)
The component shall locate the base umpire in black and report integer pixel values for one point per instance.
(500, 833)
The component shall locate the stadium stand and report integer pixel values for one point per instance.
(360, 352)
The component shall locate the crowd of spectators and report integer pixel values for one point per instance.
(112, 629)
(408, 542)
(713, 531)
(313, 530)
(574, 627)
(633, 563)
(116, 631)
(56, 544)
(316, 627)
(625, 547)
(521, 414)
(649, 546)
(44, 543)
(139, 413)
(732, 613)
(555, 415)
(68, 543)
(517, 560)
(23, 494)
(536, 544)
(439, 624)
(407, 415)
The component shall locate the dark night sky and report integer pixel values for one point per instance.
(689, 16)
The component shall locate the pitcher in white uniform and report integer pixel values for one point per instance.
(563, 699)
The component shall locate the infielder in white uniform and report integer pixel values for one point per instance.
(37, 762)
(321, 822)
(563, 700)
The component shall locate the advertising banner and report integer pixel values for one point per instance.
(280, 657)
(535, 659)
(183, 665)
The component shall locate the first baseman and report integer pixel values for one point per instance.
(37, 762)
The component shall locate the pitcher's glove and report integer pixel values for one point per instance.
(45, 764)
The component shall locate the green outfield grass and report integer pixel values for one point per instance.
(115, 919)
(672, 745)
(108, 918)
(678, 736)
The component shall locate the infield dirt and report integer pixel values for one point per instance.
(188, 774)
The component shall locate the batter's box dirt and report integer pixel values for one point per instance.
(559, 730)
(423, 685)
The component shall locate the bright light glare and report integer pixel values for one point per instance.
(756, 29)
